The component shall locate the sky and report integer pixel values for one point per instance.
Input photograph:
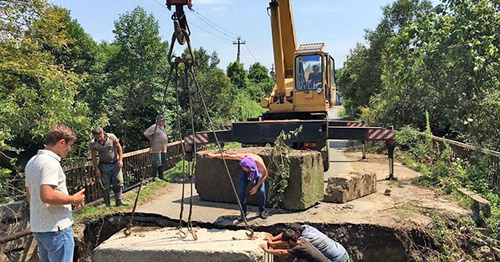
(215, 24)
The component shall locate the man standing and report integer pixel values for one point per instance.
(110, 162)
(158, 140)
(253, 170)
(51, 217)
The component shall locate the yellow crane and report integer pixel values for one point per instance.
(305, 76)
(304, 91)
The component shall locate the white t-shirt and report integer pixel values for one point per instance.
(44, 169)
(159, 141)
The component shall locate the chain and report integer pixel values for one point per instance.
(250, 234)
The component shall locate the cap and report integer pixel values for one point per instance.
(160, 118)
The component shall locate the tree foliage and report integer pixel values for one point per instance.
(135, 77)
(361, 78)
(52, 71)
(37, 89)
(444, 61)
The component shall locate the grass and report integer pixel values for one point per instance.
(405, 211)
(175, 174)
(147, 191)
(227, 146)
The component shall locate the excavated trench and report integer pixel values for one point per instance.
(364, 242)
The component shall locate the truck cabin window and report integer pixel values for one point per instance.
(309, 75)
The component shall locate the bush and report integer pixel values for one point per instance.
(407, 137)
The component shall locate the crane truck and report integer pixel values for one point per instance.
(304, 92)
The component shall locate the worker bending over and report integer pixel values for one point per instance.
(253, 170)
(329, 247)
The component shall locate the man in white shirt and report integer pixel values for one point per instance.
(157, 137)
(51, 217)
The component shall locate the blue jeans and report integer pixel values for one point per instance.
(242, 192)
(56, 246)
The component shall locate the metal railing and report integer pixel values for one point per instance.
(465, 151)
(135, 165)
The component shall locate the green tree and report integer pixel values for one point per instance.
(36, 89)
(363, 68)
(215, 88)
(261, 83)
(446, 63)
(136, 77)
(238, 75)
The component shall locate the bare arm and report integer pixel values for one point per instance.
(263, 170)
(230, 156)
(120, 153)
(28, 195)
(94, 162)
(275, 238)
(49, 196)
(278, 252)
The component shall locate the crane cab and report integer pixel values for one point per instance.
(305, 80)
(314, 79)
(310, 91)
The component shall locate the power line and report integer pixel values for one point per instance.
(218, 36)
(195, 25)
(162, 5)
(214, 25)
(219, 28)
(246, 58)
(254, 59)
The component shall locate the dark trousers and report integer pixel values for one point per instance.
(109, 176)
(242, 192)
(158, 164)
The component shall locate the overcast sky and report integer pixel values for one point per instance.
(217, 23)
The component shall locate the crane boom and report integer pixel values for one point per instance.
(284, 41)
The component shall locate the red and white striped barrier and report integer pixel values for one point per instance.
(380, 134)
(199, 138)
(356, 124)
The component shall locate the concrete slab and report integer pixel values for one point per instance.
(164, 244)
(305, 184)
(350, 186)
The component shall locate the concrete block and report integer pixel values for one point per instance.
(165, 245)
(305, 184)
(479, 206)
(350, 186)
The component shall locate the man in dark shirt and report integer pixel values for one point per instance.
(299, 248)
(315, 78)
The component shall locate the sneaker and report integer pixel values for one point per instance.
(263, 215)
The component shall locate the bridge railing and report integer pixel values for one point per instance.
(465, 151)
(135, 165)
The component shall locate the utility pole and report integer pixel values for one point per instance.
(238, 43)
